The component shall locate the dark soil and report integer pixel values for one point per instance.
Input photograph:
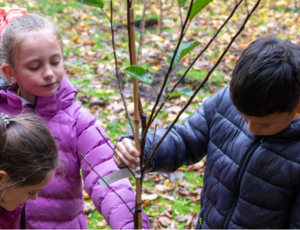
(149, 24)
(151, 92)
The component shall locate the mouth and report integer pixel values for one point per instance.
(50, 85)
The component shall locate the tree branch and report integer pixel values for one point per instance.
(116, 64)
(106, 183)
(191, 65)
(114, 151)
(144, 133)
(201, 85)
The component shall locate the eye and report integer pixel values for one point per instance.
(265, 126)
(56, 63)
(34, 68)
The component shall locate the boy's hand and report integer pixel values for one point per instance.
(125, 152)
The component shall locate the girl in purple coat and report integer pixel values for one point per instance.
(28, 160)
(32, 61)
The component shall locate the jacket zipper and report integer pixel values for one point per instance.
(239, 179)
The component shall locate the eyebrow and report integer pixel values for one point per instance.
(37, 59)
(264, 124)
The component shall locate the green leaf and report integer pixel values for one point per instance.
(181, 3)
(182, 51)
(97, 3)
(198, 5)
(183, 92)
(139, 73)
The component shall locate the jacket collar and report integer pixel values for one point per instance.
(46, 106)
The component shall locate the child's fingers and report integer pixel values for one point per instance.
(130, 147)
(126, 152)
(121, 161)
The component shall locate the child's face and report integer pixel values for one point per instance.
(16, 196)
(271, 124)
(39, 66)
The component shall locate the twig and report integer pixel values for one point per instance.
(169, 71)
(191, 65)
(106, 183)
(110, 19)
(180, 15)
(160, 17)
(201, 85)
(153, 138)
(186, 29)
(246, 4)
(142, 27)
(154, 89)
(114, 150)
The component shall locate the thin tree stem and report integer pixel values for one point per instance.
(116, 65)
(142, 28)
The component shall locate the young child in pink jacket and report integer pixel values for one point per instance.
(27, 164)
(32, 61)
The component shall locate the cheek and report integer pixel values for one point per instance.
(274, 129)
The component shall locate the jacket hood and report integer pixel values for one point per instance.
(44, 105)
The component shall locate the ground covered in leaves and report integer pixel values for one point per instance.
(170, 200)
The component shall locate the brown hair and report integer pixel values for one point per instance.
(28, 152)
(15, 33)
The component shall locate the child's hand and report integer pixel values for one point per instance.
(125, 152)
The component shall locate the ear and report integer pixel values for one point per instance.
(8, 71)
(298, 108)
(3, 176)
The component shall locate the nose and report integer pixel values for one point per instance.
(48, 73)
(33, 196)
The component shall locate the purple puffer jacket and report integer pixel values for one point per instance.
(60, 203)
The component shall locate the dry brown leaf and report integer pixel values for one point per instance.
(164, 221)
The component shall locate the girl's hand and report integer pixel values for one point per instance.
(126, 153)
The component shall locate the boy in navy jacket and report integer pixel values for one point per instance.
(251, 135)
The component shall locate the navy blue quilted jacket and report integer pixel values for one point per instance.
(250, 181)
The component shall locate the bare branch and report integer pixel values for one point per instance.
(106, 183)
(142, 27)
(246, 4)
(180, 15)
(108, 143)
(110, 19)
(191, 65)
(153, 138)
(169, 71)
(201, 85)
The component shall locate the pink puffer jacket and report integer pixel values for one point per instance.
(60, 203)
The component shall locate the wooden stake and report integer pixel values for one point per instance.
(138, 213)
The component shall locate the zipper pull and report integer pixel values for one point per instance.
(262, 139)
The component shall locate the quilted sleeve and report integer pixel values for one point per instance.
(295, 213)
(99, 154)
